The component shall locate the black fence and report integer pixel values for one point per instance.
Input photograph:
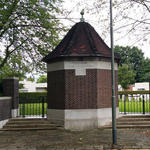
(32, 105)
(134, 103)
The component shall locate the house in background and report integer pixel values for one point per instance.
(29, 86)
(141, 86)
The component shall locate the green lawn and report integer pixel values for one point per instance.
(32, 108)
(133, 106)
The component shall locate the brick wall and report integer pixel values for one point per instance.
(10, 88)
(81, 90)
(56, 89)
(5, 108)
(104, 88)
(92, 91)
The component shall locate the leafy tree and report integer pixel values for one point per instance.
(14, 68)
(42, 79)
(133, 58)
(30, 79)
(145, 74)
(28, 29)
(125, 76)
(21, 85)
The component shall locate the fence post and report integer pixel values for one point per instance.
(124, 104)
(120, 102)
(23, 109)
(143, 105)
(42, 107)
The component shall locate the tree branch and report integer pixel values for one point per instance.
(7, 55)
(143, 3)
(18, 46)
(146, 7)
(140, 21)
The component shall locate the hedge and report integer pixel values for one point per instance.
(133, 92)
(32, 97)
(38, 96)
(32, 94)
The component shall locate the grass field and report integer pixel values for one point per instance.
(134, 106)
(32, 109)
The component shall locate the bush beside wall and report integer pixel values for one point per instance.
(32, 97)
(133, 92)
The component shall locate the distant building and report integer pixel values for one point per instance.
(29, 86)
(141, 86)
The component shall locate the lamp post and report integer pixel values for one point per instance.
(114, 131)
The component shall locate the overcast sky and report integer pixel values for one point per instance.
(100, 21)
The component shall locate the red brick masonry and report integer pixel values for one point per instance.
(92, 91)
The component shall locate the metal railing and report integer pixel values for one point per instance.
(33, 107)
(134, 103)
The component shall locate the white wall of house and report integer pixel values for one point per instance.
(41, 87)
(141, 86)
(137, 86)
(32, 86)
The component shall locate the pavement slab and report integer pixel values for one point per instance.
(96, 139)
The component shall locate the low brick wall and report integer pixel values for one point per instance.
(5, 110)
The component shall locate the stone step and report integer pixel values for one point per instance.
(29, 129)
(27, 119)
(134, 123)
(136, 116)
(30, 126)
(133, 119)
(20, 124)
(127, 126)
(29, 122)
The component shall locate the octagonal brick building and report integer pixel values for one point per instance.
(79, 80)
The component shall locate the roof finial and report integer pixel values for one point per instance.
(82, 13)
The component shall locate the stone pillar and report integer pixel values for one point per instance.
(5, 110)
(11, 88)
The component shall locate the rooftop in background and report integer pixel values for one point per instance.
(81, 41)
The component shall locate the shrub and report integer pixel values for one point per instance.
(133, 92)
(32, 97)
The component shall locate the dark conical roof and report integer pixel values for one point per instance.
(81, 41)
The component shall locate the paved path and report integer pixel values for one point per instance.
(66, 140)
